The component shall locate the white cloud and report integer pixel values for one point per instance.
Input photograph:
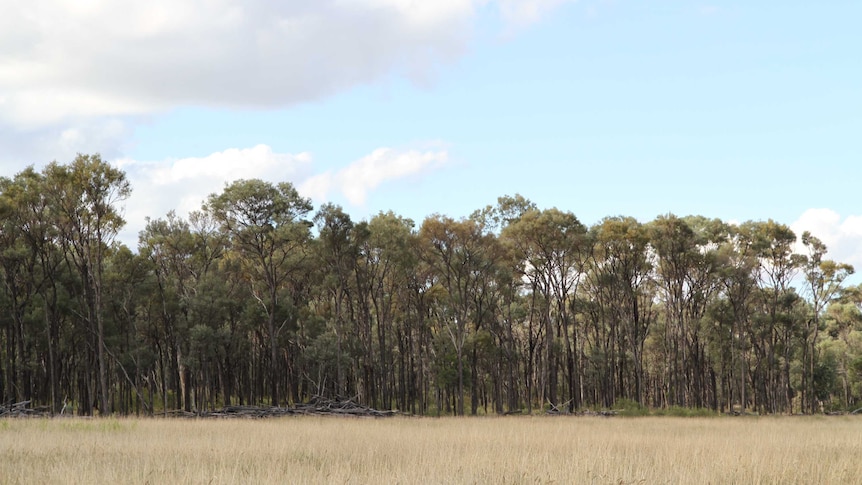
(61, 60)
(64, 60)
(19, 148)
(87, 65)
(231, 164)
(419, 12)
(842, 235)
(520, 13)
(183, 185)
(356, 180)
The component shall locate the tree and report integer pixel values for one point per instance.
(823, 279)
(511, 305)
(739, 271)
(169, 246)
(385, 268)
(843, 325)
(619, 283)
(84, 196)
(338, 252)
(269, 233)
(554, 247)
(22, 236)
(686, 269)
(460, 253)
(773, 331)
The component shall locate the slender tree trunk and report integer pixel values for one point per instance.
(103, 371)
(474, 384)
(273, 355)
(460, 403)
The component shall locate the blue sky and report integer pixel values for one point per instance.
(731, 109)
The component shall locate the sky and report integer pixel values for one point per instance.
(731, 109)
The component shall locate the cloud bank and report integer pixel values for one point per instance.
(66, 60)
(842, 235)
(182, 185)
(97, 66)
(356, 180)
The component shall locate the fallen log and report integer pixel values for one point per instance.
(23, 410)
(316, 406)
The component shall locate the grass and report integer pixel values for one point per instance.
(427, 450)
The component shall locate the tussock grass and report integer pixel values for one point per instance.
(426, 450)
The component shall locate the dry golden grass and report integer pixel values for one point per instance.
(814, 450)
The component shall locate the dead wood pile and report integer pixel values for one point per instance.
(22, 410)
(604, 413)
(563, 410)
(317, 406)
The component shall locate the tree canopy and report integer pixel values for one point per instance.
(256, 298)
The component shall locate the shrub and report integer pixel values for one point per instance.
(629, 407)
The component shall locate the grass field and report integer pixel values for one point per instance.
(810, 450)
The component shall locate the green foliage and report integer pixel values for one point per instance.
(628, 407)
(685, 412)
(445, 366)
(825, 378)
(513, 307)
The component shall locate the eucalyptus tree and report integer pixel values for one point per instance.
(843, 340)
(739, 271)
(386, 265)
(686, 274)
(337, 254)
(508, 328)
(775, 326)
(554, 247)
(508, 297)
(509, 209)
(269, 233)
(128, 284)
(43, 234)
(515, 340)
(460, 253)
(823, 278)
(20, 248)
(214, 303)
(192, 296)
(168, 244)
(620, 288)
(84, 197)
(35, 235)
(510, 304)
(490, 286)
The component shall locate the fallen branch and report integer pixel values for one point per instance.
(317, 406)
(23, 410)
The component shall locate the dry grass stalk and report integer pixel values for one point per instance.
(447, 450)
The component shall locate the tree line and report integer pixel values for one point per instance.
(257, 298)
